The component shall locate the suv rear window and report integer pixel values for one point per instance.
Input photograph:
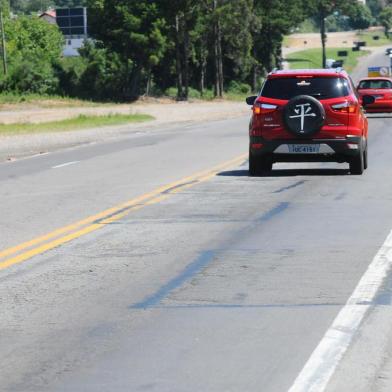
(376, 83)
(318, 87)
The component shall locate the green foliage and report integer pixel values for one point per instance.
(203, 47)
(309, 25)
(33, 47)
(376, 7)
(275, 18)
(33, 6)
(33, 37)
(134, 31)
(193, 93)
(386, 19)
(99, 74)
(361, 17)
(5, 7)
(238, 88)
(368, 37)
(72, 124)
(31, 75)
(311, 58)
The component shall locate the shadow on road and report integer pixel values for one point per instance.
(234, 173)
(289, 173)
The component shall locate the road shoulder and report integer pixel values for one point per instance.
(167, 116)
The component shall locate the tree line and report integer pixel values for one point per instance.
(197, 47)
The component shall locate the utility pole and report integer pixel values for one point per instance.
(323, 35)
(4, 51)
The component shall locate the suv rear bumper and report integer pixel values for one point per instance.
(341, 149)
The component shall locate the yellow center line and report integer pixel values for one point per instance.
(92, 223)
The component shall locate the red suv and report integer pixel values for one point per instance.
(308, 115)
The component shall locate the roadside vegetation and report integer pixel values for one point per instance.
(72, 124)
(374, 38)
(311, 58)
(183, 48)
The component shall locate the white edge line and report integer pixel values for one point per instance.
(65, 164)
(324, 360)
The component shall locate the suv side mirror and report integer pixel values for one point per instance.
(251, 100)
(368, 100)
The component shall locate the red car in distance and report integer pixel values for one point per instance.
(381, 89)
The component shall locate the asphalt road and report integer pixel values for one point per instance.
(154, 263)
(218, 282)
(376, 58)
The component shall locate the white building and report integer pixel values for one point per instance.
(72, 45)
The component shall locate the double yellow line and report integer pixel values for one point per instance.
(39, 245)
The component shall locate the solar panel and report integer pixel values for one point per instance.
(72, 21)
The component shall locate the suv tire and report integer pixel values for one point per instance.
(314, 120)
(365, 158)
(357, 163)
(259, 165)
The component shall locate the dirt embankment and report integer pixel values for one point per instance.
(312, 40)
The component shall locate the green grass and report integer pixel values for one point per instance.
(370, 41)
(312, 58)
(81, 122)
(230, 95)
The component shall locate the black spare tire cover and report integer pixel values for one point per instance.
(303, 115)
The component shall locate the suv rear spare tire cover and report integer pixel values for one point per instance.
(303, 115)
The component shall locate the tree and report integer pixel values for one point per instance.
(360, 17)
(376, 6)
(133, 30)
(5, 7)
(324, 8)
(181, 18)
(230, 38)
(275, 18)
(237, 22)
(386, 19)
(33, 37)
(34, 46)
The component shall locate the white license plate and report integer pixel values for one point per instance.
(304, 148)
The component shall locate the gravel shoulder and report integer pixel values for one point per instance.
(167, 115)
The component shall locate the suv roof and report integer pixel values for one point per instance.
(308, 72)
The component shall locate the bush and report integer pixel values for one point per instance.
(33, 47)
(32, 76)
(97, 75)
(238, 88)
(192, 93)
(171, 92)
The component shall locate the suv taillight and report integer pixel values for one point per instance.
(345, 107)
(263, 108)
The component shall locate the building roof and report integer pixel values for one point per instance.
(51, 13)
